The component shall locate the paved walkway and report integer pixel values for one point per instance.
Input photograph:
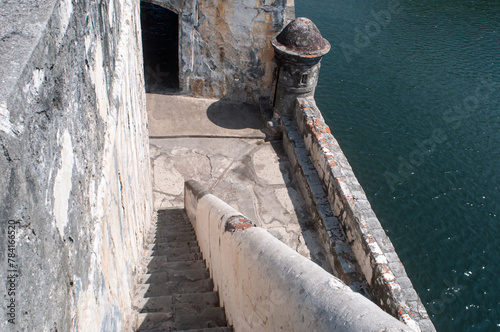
(221, 145)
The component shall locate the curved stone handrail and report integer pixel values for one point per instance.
(267, 286)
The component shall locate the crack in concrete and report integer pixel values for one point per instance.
(211, 166)
(209, 160)
(236, 160)
(164, 193)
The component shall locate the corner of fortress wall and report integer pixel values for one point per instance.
(389, 284)
(224, 48)
(76, 183)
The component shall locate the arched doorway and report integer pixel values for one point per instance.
(160, 45)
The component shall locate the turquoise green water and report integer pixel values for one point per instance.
(414, 100)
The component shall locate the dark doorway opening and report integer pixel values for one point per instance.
(160, 46)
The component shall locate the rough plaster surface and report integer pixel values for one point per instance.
(224, 46)
(75, 162)
(264, 285)
(377, 258)
(253, 176)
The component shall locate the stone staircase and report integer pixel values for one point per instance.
(176, 293)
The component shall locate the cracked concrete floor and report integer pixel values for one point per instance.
(221, 145)
(251, 175)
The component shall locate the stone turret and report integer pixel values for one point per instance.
(298, 50)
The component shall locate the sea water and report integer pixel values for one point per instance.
(411, 90)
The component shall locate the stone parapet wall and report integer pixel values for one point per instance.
(74, 158)
(265, 285)
(389, 285)
(328, 227)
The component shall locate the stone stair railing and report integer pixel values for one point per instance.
(265, 285)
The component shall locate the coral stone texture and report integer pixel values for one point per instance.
(224, 46)
(75, 163)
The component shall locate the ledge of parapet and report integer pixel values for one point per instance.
(193, 192)
(196, 188)
(22, 25)
(375, 254)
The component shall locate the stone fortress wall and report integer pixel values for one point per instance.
(224, 49)
(76, 181)
(351, 231)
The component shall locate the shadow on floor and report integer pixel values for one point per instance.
(232, 115)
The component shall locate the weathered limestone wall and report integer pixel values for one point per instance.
(75, 185)
(265, 285)
(225, 50)
(389, 284)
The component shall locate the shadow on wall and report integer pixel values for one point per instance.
(232, 115)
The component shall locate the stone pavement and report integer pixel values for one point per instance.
(181, 116)
(225, 150)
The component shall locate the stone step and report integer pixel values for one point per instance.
(176, 231)
(209, 329)
(172, 230)
(162, 304)
(176, 266)
(207, 318)
(168, 215)
(174, 287)
(173, 251)
(194, 303)
(156, 245)
(174, 275)
(177, 227)
(191, 303)
(174, 238)
(173, 225)
(154, 262)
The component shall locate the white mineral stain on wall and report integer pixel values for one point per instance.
(32, 88)
(5, 124)
(65, 13)
(98, 78)
(89, 307)
(62, 185)
(122, 209)
(38, 76)
(111, 7)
